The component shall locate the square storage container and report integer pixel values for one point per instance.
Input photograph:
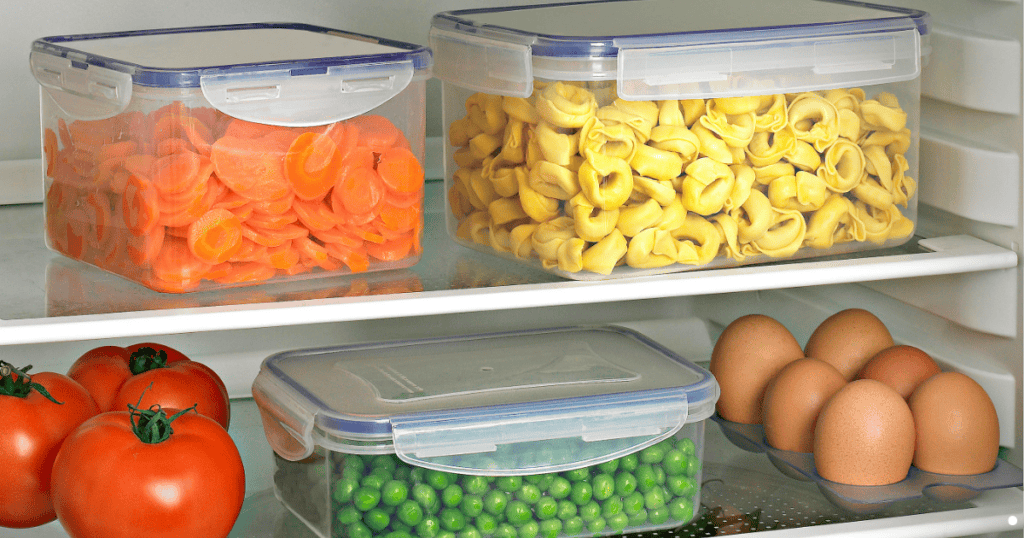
(626, 138)
(201, 158)
(559, 432)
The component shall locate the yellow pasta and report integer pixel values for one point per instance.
(692, 109)
(785, 236)
(814, 120)
(745, 178)
(872, 193)
(903, 186)
(876, 163)
(464, 158)
(662, 190)
(506, 210)
(481, 191)
(475, 227)
(556, 147)
(771, 114)
(484, 145)
(735, 105)
(603, 256)
(554, 181)
(728, 232)
(503, 178)
(827, 225)
(754, 217)
(549, 236)
(765, 174)
(651, 248)
(566, 105)
(710, 145)
(614, 140)
(677, 139)
(592, 224)
(570, 255)
(461, 131)
(883, 224)
(606, 181)
(635, 218)
(849, 124)
(707, 185)
(499, 238)
(656, 163)
(894, 142)
(804, 156)
(697, 241)
(485, 111)
(521, 240)
(843, 166)
(673, 215)
(877, 113)
(513, 145)
(520, 109)
(640, 116)
(540, 208)
(735, 130)
(769, 147)
(669, 114)
(802, 192)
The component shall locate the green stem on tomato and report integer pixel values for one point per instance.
(145, 359)
(152, 425)
(16, 382)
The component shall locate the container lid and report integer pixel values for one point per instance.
(278, 73)
(506, 403)
(673, 49)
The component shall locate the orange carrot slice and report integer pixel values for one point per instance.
(50, 150)
(311, 165)
(216, 236)
(117, 150)
(247, 272)
(143, 249)
(177, 264)
(377, 132)
(250, 251)
(315, 254)
(141, 205)
(314, 215)
(356, 260)
(399, 219)
(283, 257)
(359, 190)
(251, 168)
(400, 170)
(391, 250)
(180, 172)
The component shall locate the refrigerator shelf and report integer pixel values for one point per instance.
(45, 297)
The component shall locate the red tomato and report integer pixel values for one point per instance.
(170, 380)
(31, 431)
(108, 482)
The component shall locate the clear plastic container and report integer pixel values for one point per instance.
(625, 138)
(201, 158)
(559, 432)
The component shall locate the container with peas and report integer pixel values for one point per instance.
(546, 433)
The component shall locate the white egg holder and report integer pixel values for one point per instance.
(867, 499)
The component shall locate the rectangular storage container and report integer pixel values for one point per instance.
(201, 158)
(559, 432)
(625, 138)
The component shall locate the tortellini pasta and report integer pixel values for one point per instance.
(584, 181)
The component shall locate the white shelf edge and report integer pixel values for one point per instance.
(958, 254)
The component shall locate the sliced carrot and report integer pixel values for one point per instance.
(377, 132)
(250, 251)
(197, 133)
(98, 215)
(180, 172)
(339, 236)
(65, 133)
(141, 205)
(315, 254)
(176, 263)
(345, 136)
(180, 286)
(176, 231)
(216, 236)
(283, 257)
(366, 233)
(272, 222)
(314, 215)
(400, 170)
(247, 129)
(143, 249)
(230, 199)
(251, 168)
(311, 165)
(392, 250)
(117, 150)
(74, 234)
(50, 150)
(139, 163)
(399, 219)
(247, 272)
(355, 259)
(275, 206)
(359, 190)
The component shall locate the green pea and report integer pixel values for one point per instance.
(576, 475)
(529, 493)
(445, 534)
(402, 473)
(609, 467)
(566, 510)
(604, 486)
(681, 485)
(681, 510)
(394, 492)
(429, 527)
(518, 513)
(417, 475)
(508, 484)
(452, 519)
(655, 498)
(397, 525)
(560, 488)
(629, 462)
(611, 506)
(530, 529)
(674, 462)
(410, 513)
(505, 530)
(398, 534)
(687, 446)
(625, 483)
(638, 519)
(495, 501)
(427, 497)
(546, 508)
(550, 528)
(645, 478)
(590, 511)
(366, 498)
(343, 489)
(693, 467)
(374, 481)
(475, 485)
(486, 524)
(348, 515)
(452, 495)
(469, 532)
(652, 454)
(658, 516)
(659, 474)
(384, 461)
(633, 503)
(596, 525)
(376, 519)
(359, 530)
(472, 505)
(544, 481)
(439, 479)
(582, 493)
(618, 522)
(573, 526)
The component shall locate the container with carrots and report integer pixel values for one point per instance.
(283, 152)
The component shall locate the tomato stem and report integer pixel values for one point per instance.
(16, 382)
(145, 359)
(152, 425)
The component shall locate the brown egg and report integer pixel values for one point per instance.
(848, 339)
(957, 426)
(747, 355)
(794, 399)
(901, 367)
(864, 435)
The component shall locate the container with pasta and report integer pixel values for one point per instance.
(626, 138)
(197, 159)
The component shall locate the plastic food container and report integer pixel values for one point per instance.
(624, 138)
(201, 158)
(560, 432)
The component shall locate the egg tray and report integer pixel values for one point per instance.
(867, 499)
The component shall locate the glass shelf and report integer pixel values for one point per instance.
(45, 297)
